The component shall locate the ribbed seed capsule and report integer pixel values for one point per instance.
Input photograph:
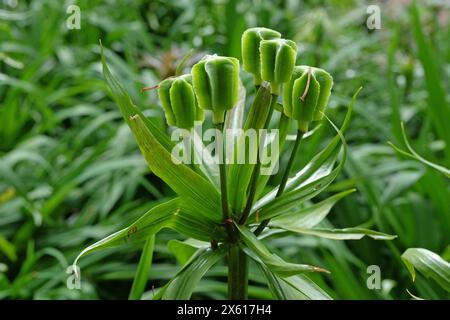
(287, 89)
(306, 94)
(277, 61)
(216, 84)
(164, 96)
(179, 103)
(326, 84)
(250, 42)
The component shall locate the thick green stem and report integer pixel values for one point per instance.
(237, 273)
(284, 178)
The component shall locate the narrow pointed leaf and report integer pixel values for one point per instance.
(174, 214)
(182, 286)
(207, 166)
(337, 234)
(184, 250)
(257, 251)
(127, 107)
(150, 223)
(183, 180)
(429, 264)
(283, 128)
(240, 174)
(305, 217)
(298, 287)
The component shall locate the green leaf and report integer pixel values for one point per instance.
(127, 107)
(399, 182)
(150, 223)
(156, 148)
(190, 222)
(9, 176)
(291, 200)
(298, 287)
(438, 109)
(303, 220)
(337, 234)
(310, 216)
(208, 166)
(429, 264)
(141, 275)
(176, 214)
(182, 286)
(8, 249)
(184, 250)
(283, 127)
(182, 63)
(414, 155)
(255, 249)
(239, 175)
(414, 296)
(183, 180)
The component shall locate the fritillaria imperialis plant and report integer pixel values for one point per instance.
(228, 208)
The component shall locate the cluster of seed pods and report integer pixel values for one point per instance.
(214, 82)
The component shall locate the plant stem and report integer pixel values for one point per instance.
(257, 168)
(223, 175)
(187, 150)
(290, 163)
(237, 259)
(252, 192)
(237, 273)
(284, 179)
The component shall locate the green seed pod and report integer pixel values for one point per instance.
(287, 89)
(277, 61)
(179, 103)
(250, 41)
(326, 83)
(216, 84)
(301, 96)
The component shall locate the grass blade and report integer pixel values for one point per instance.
(414, 155)
(141, 276)
(182, 286)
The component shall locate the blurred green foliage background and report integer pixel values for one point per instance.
(71, 173)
